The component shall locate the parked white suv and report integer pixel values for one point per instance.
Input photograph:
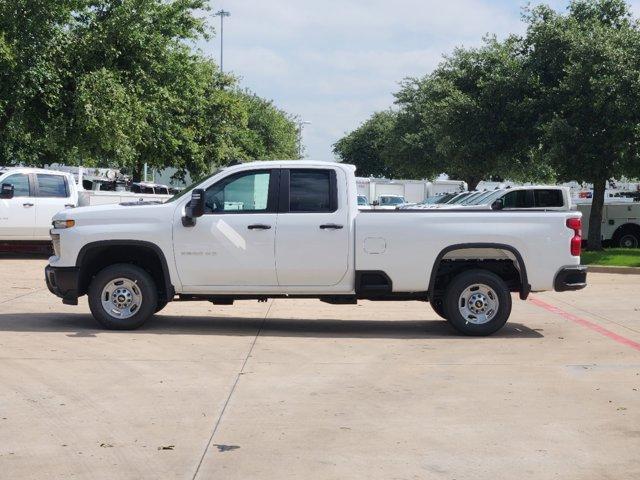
(293, 229)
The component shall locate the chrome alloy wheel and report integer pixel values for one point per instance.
(121, 298)
(478, 304)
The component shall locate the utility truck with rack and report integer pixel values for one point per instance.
(287, 229)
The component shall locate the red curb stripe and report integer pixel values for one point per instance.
(586, 323)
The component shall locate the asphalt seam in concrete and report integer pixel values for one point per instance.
(233, 389)
(586, 324)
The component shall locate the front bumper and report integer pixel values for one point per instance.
(63, 282)
(571, 278)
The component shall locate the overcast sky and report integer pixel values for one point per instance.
(335, 62)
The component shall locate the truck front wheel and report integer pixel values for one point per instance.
(122, 297)
(478, 303)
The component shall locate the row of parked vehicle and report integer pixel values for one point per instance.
(537, 197)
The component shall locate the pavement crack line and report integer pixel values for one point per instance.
(231, 392)
(22, 296)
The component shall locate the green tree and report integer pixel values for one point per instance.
(366, 146)
(269, 133)
(468, 117)
(587, 69)
(118, 83)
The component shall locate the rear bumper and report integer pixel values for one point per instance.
(571, 278)
(63, 282)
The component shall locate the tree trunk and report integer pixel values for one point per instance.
(138, 170)
(594, 239)
(472, 183)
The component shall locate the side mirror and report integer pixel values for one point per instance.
(375, 203)
(195, 208)
(497, 205)
(7, 191)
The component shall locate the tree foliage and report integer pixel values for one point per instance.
(366, 146)
(561, 102)
(117, 82)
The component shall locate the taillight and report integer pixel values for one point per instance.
(575, 224)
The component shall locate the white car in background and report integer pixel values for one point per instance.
(520, 198)
(363, 203)
(389, 202)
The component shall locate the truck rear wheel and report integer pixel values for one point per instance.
(122, 297)
(478, 303)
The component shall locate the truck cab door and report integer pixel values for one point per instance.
(233, 243)
(312, 238)
(18, 214)
(53, 194)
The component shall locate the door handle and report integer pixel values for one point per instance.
(27, 205)
(259, 227)
(331, 226)
(69, 205)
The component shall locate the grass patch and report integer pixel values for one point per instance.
(613, 257)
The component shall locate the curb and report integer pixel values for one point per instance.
(618, 270)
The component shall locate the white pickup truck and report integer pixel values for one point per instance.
(30, 197)
(293, 229)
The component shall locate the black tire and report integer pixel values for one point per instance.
(437, 304)
(627, 238)
(453, 301)
(143, 282)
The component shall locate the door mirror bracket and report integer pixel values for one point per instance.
(194, 209)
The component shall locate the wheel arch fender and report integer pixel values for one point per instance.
(127, 248)
(525, 287)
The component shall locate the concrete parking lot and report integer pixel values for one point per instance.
(298, 389)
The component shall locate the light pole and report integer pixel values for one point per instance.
(301, 124)
(222, 14)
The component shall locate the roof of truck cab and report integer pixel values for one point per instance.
(32, 170)
(291, 164)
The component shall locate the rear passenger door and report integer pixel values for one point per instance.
(312, 236)
(53, 194)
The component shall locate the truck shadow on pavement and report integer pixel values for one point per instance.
(83, 325)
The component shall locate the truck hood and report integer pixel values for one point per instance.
(118, 213)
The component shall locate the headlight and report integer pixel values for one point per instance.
(62, 224)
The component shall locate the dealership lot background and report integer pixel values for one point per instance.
(301, 389)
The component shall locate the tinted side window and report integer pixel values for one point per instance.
(20, 184)
(52, 186)
(517, 199)
(247, 192)
(310, 191)
(548, 198)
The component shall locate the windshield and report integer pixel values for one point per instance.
(478, 200)
(362, 200)
(463, 197)
(489, 200)
(391, 200)
(188, 189)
